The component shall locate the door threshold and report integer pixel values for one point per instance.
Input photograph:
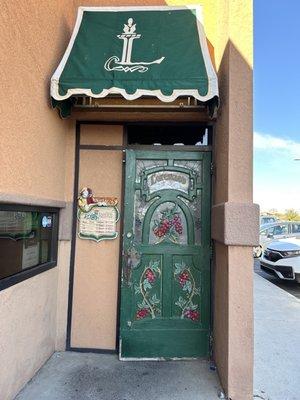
(158, 359)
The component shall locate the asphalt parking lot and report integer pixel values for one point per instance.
(289, 286)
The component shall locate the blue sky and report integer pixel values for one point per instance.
(277, 104)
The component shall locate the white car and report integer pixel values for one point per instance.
(282, 259)
(275, 231)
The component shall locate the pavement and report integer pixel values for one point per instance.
(90, 376)
(277, 342)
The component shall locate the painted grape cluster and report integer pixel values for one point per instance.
(142, 313)
(169, 225)
(192, 314)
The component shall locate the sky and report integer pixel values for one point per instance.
(277, 104)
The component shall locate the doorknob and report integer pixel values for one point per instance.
(129, 235)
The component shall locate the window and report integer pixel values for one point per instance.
(264, 232)
(28, 242)
(169, 134)
(281, 229)
(296, 228)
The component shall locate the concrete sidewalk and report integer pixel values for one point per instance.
(277, 342)
(90, 376)
(78, 376)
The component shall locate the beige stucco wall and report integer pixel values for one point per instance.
(27, 330)
(96, 266)
(36, 151)
(233, 264)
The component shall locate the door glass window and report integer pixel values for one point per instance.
(143, 165)
(140, 208)
(168, 224)
(195, 209)
(194, 166)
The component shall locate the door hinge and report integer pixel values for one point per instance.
(212, 168)
(211, 340)
(211, 250)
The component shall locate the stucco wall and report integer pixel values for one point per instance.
(96, 266)
(27, 330)
(34, 159)
(32, 141)
(233, 264)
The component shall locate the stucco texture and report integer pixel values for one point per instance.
(27, 330)
(34, 159)
(32, 142)
(96, 268)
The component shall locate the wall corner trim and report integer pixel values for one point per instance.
(65, 222)
(236, 224)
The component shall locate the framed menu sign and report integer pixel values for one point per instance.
(97, 217)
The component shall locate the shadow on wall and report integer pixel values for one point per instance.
(233, 143)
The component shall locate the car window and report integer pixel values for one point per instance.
(267, 220)
(281, 229)
(264, 232)
(296, 228)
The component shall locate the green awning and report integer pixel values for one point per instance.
(134, 52)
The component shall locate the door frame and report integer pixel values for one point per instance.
(205, 148)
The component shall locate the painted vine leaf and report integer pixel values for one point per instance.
(180, 303)
(137, 289)
(149, 307)
(179, 267)
(184, 277)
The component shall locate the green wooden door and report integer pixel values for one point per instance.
(165, 290)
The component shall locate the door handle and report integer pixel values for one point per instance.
(129, 235)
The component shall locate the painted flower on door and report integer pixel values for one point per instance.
(149, 305)
(169, 225)
(186, 301)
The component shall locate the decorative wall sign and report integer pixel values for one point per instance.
(97, 217)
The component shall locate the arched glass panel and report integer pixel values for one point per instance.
(168, 224)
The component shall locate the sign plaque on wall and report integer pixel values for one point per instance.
(97, 217)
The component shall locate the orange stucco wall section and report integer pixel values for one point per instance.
(96, 267)
(37, 162)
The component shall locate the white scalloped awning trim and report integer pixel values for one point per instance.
(212, 76)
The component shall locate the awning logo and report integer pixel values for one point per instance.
(125, 64)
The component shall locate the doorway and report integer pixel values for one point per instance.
(165, 283)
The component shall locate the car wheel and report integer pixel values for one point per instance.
(257, 251)
(297, 278)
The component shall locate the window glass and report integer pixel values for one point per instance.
(280, 229)
(296, 228)
(267, 220)
(26, 240)
(168, 223)
(264, 232)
